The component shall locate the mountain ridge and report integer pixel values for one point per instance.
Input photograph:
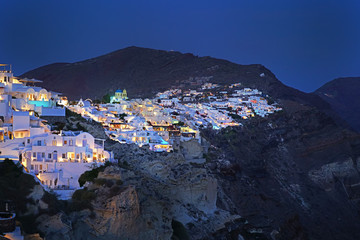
(343, 96)
(144, 71)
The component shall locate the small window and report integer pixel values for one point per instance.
(65, 142)
(54, 143)
(63, 155)
(70, 142)
(43, 155)
(28, 141)
(32, 167)
(39, 142)
(49, 155)
(34, 154)
(40, 167)
(77, 156)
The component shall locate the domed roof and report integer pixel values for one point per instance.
(119, 91)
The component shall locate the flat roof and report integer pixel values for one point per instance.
(18, 113)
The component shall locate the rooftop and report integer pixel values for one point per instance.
(70, 133)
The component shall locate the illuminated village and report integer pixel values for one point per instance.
(58, 158)
(174, 115)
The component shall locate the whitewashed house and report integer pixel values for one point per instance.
(59, 160)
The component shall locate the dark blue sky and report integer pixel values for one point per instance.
(304, 43)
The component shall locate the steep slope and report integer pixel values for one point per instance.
(343, 96)
(292, 175)
(143, 72)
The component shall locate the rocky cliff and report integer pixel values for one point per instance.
(294, 176)
(141, 201)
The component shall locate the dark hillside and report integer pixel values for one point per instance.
(343, 94)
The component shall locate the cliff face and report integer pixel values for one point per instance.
(343, 96)
(153, 193)
(294, 176)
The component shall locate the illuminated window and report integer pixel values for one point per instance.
(54, 143)
(71, 142)
(65, 142)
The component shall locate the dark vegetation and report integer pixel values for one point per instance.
(106, 98)
(81, 199)
(90, 176)
(179, 231)
(15, 185)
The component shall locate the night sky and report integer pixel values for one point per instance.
(304, 43)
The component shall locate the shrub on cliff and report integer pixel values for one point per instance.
(81, 199)
(89, 176)
(179, 231)
(15, 184)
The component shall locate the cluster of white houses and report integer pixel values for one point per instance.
(174, 114)
(137, 121)
(216, 106)
(60, 159)
(56, 159)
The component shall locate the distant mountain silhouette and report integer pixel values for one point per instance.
(343, 94)
(143, 72)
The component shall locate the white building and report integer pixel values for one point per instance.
(59, 160)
